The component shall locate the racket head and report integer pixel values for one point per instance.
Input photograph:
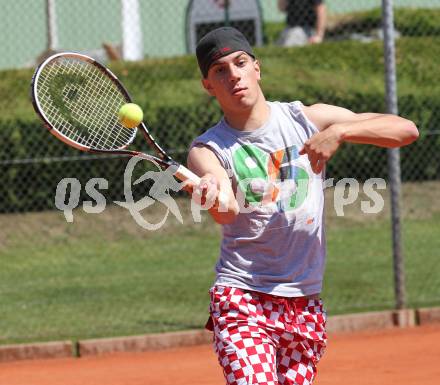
(78, 99)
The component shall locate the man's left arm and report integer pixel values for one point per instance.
(338, 125)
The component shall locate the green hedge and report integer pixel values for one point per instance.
(408, 21)
(349, 74)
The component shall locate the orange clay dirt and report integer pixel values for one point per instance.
(398, 356)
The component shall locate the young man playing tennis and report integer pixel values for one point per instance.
(265, 162)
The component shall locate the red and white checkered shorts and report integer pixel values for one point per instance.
(265, 339)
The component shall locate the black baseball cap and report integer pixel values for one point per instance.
(218, 43)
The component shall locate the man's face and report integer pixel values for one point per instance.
(233, 80)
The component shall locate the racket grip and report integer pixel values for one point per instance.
(183, 174)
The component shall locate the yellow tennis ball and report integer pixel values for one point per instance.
(130, 115)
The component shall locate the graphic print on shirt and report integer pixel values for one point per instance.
(265, 178)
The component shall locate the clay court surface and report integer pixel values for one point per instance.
(398, 356)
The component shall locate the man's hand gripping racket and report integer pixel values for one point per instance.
(78, 100)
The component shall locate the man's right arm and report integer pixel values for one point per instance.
(215, 186)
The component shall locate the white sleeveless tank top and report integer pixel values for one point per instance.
(276, 245)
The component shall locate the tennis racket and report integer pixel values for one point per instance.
(78, 100)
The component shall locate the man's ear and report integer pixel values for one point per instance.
(207, 86)
(257, 69)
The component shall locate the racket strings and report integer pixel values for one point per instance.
(93, 114)
(50, 107)
(101, 101)
(102, 114)
(82, 103)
